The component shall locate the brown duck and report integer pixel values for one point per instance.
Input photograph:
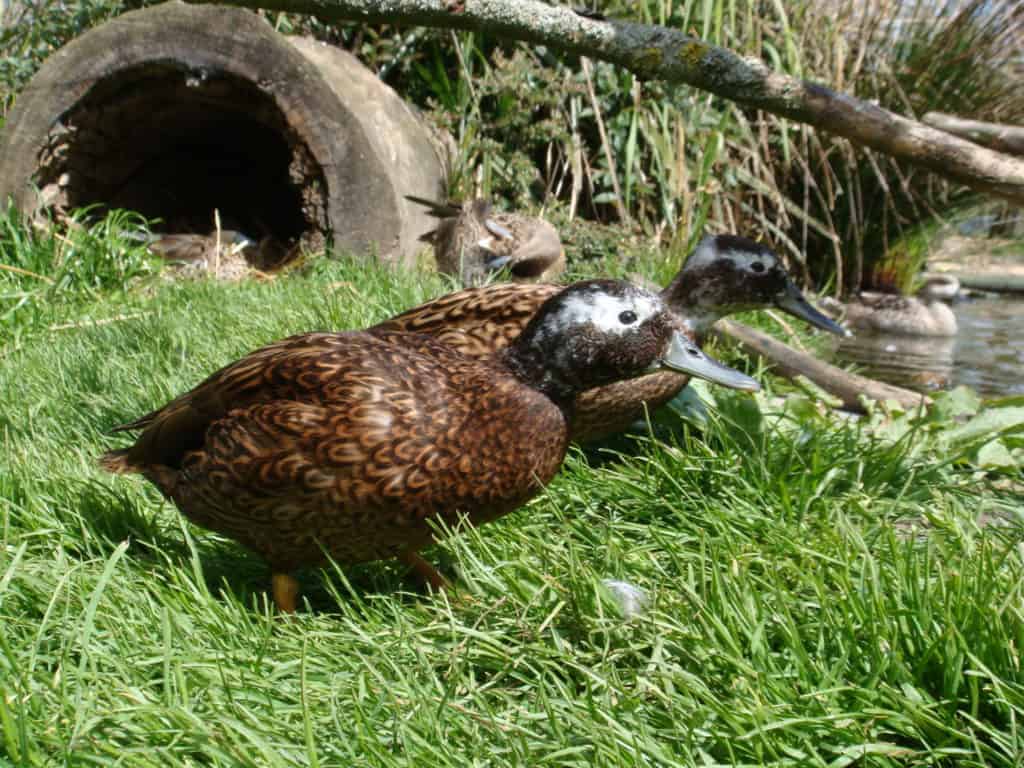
(231, 257)
(475, 242)
(725, 274)
(352, 444)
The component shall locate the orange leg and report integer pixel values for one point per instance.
(424, 570)
(285, 589)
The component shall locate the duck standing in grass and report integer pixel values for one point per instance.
(725, 274)
(924, 314)
(475, 242)
(351, 444)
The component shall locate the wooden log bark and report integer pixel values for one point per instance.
(848, 387)
(655, 52)
(997, 136)
(176, 110)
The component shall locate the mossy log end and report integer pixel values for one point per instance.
(177, 110)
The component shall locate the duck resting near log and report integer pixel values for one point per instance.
(475, 242)
(230, 256)
(353, 445)
(724, 274)
(924, 314)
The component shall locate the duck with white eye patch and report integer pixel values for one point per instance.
(354, 445)
(724, 274)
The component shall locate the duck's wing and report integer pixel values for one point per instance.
(477, 321)
(182, 248)
(535, 250)
(888, 302)
(308, 368)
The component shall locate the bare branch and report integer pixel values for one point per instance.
(1002, 138)
(655, 52)
(848, 387)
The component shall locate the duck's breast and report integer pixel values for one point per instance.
(611, 409)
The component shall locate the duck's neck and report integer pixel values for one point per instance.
(528, 364)
(690, 307)
(939, 289)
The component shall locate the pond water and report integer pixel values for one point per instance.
(987, 353)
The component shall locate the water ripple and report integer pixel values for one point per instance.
(987, 353)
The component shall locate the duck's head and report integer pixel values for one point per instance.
(531, 248)
(599, 331)
(729, 273)
(939, 288)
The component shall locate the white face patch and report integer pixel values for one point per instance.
(604, 311)
(708, 252)
(745, 260)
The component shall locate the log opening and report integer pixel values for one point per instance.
(177, 110)
(176, 145)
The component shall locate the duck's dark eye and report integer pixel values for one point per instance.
(757, 266)
(628, 317)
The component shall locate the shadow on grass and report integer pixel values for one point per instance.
(108, 515)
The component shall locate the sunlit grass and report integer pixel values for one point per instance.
(818, 595)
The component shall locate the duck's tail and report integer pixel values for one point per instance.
(118, 463)
(440, 209)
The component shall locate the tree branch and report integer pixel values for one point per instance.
(1002, 138)
(848, 387)
(654, 52)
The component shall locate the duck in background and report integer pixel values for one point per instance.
(924, 314)
(231, 256)
(475, 242)
(354, 445)
(724, 274)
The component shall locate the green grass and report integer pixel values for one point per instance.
(821, 593)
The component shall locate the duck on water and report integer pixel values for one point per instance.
(926, 313)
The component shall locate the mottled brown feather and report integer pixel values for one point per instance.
(348, 444)
(354, 444)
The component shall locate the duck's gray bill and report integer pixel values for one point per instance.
(497, 263)
(792, 301)
(686, 357)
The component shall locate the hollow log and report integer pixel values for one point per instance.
(177, 110)
(997, 136)
(848, 387)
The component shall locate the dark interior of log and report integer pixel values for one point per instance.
(175, 145)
